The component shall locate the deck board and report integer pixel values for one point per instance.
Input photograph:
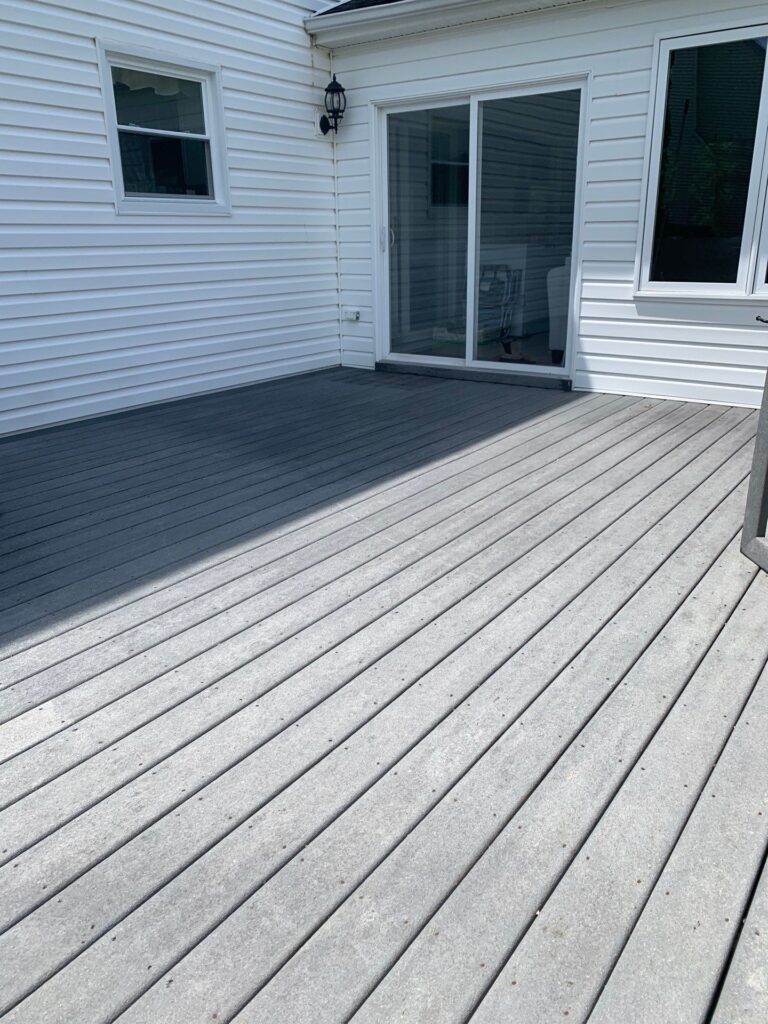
(279, 541)
(587, 917)
(744, 995)
(100, 576)
(172, 522)
(699, 898)
(339, 681)
(262, 472)
(622, 674)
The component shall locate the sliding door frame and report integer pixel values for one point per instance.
(382, 230)
(384, 233)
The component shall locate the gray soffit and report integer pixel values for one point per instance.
(356, 5)
(754, 542)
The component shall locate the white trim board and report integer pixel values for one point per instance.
(410, 16)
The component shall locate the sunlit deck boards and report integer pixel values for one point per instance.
(383, 698)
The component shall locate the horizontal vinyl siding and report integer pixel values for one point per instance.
(660, 348)
(101, 311)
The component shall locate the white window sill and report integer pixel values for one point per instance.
(173, 207)
(708, 297)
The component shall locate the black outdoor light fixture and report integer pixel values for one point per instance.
(335, 105)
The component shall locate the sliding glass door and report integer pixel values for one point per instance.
(481, 203)
(428, 205)
(527, 187)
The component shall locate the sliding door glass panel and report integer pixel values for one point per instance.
(710, 122)
(428, 203)
(527, 189)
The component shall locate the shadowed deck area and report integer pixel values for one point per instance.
(383, 698)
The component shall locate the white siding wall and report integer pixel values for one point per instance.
(101, 311)
(655, 347)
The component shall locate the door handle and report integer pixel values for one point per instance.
(386, 239)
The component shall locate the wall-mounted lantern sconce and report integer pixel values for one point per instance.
(335, 105)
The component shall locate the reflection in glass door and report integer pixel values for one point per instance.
(526, 195)
(428, 205)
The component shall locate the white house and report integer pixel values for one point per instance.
(111, 299)
(551, 190)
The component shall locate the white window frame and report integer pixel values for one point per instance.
(209, 77)
(754, 252)
(760, 289)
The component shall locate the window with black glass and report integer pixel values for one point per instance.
(164, 141)
(701, 232)
(449, 162)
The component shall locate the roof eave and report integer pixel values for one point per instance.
(410, 16)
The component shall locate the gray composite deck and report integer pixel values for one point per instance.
(377, 698)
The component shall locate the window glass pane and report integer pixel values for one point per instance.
(164, 165)
(428, 188)
(145, 100)
(529, 151)
(713, 99)
(450, 184)
(449, 166)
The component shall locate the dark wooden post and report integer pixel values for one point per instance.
(754, 538)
